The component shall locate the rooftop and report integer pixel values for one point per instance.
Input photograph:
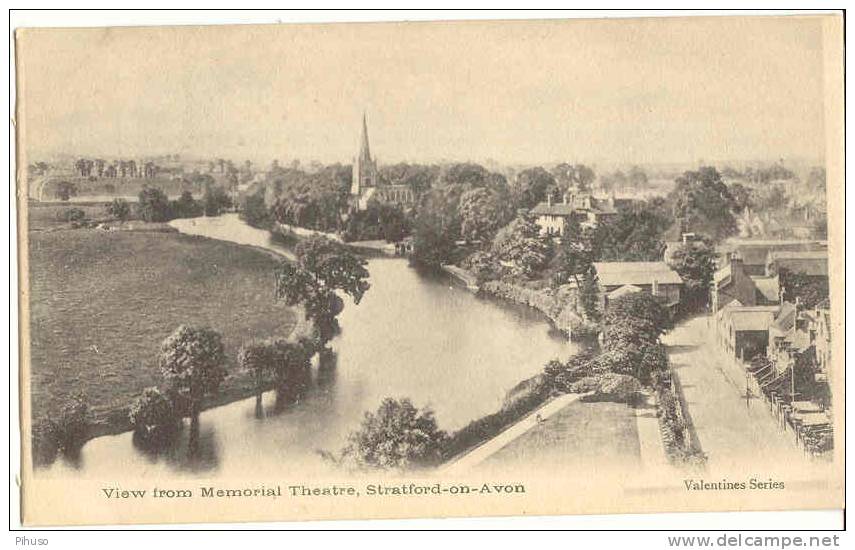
(636, 273)
(754, 318)
(798, 255)
(769, 287)
(558, 209)
(785, 320)
(722, 274)
(754, 252)
(623, 291)
(569, 207)
(813, 262)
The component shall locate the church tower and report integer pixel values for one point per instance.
(364, 168)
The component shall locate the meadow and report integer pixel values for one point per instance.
(101, 303)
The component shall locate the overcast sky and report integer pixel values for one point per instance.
(653, 90)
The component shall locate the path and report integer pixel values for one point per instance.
(732, 430)
(486, 450)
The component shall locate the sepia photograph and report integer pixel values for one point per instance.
(430, 269)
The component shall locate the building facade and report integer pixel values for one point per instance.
(366, 185)
(617, 279)
(587, 210)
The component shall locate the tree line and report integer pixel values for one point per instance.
(116, 169)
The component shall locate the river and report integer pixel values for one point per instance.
(413, 335)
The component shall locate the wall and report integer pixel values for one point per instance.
(559, 307)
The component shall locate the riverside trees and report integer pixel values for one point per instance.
(396, 436)
(192, 360)
(323, 267)
(284, 363)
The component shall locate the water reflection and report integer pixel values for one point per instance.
(177, 452)
(327, 365)
(413, 335)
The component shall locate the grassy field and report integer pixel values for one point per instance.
(582, 434)
(101, 303)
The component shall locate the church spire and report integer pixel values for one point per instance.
(364, 151)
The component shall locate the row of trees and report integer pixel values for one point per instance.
(155, 206)
(116, 169)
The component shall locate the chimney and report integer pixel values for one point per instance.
(565, 198)
(549, 199)
(655, 289)
(736, 263)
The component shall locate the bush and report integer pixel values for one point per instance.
(564, 375)
(215, 201)
(818, 443)
(186, 206)
(153, 206)
(72, 424)
(154, 418)
(483, 265)
(44, 443)
(65, 433)
(618, 387)
(283, 237)
(255, 212)
(118, 209)
(584, 385)
(65, 190)
(72, 215)
(396, 436)
(522, 400)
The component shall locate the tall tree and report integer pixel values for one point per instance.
(482, 212)
(532, 185)
(809, 291)
(333, 266)
(215, 200)
(119, 209)
(635, 234)
(695, 263)
(256, 359)
(153, 206)
(637, 178)
(520, 246)
(704, 202)
(192, 360)
(589, 294)
(634, 320)
(575, 255)
(573, 176)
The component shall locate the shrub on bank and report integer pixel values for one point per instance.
(63, 433)
(522, 400)
(283, 237)
(155, 418)
(72, 215)
(118, 209)
(397, 436)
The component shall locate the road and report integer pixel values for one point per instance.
(731, 429)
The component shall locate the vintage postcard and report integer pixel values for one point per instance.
(331, 271)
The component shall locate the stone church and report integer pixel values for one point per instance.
(367, 185)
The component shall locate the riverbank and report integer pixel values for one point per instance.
(102, 301)
(559, 306)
